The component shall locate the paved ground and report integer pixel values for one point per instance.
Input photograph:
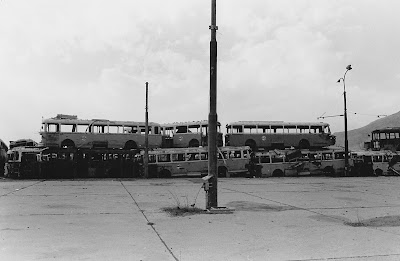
(274, 219)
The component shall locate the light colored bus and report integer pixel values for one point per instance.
(67, 131)
(175, 162)
(279, 163)
(189, 134)
(278, 134)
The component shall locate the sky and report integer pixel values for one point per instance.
(277, 60)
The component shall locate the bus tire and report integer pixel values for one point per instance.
(252, 144)
(164, 174)
(277, 173)
(130, 144)
(304, 144)
(329, 171)
(194, 143)
(67, 144)
(378, 172)
(222, 172)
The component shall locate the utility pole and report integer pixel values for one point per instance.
(212, 199)
(146, 136)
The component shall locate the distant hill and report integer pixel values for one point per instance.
(357, 137)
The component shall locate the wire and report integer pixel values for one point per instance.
(355, 113)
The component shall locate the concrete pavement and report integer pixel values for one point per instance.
(274, 219)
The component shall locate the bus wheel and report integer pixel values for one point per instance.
(378, 172)
(222, 171)
(130, 144)
(329, 171)
(165, 173)
(252, 144)
(277, 173)
(194, 143)
(66, 144)
(304, 144)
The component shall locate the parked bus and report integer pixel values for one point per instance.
(67, 131)
(23, 143)
(386, 139)
(89, 163)
(189, 134)
(279, 163)
(175, 162)
(378, 163)
(278, 135)
(23, 162)
(3, 157)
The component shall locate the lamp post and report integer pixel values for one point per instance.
(212, 198)
(346, 142)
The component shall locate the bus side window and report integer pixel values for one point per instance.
(178, 157)
(164, 158)
(192, 156)
(204, 156)
(277, 159)
(152, 158)
(265, 159)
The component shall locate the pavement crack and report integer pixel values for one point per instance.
(16, 190)
(151, 224)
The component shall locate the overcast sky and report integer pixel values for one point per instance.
(277, 60)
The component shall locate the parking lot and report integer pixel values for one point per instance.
(307, 218)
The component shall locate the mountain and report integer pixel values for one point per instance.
(357, 137)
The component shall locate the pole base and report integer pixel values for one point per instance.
(220, 210)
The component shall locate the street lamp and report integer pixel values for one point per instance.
(346, 142)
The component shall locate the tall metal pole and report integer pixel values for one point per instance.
(212, 199)
(146, 136)
(346, 141)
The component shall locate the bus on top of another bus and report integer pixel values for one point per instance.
(279, 135)
(67, 131)
(386, 139)
(188, 134)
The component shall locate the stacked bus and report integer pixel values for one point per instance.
(279, 163)
(67, 131)
(188, 134)
(386, 139)
(279, 135)
(176, 162)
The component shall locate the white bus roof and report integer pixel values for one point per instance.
(73, 120)
(277, 123)
(187, 123)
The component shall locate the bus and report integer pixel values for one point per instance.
(279, 163)
(378, 163)
(176, 162)
(23, 143)
(278, 135)
(67, 131)
(386, 139)
(188, 134)
(3, 157)
(23, 162)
